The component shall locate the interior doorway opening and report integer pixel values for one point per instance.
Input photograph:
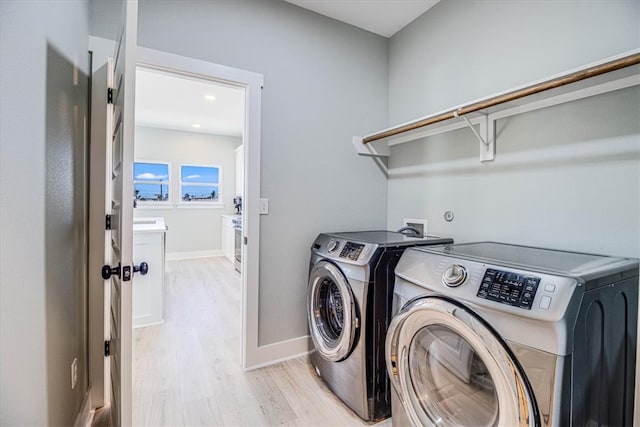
(200, 185)
(250, 354)
(188, 177)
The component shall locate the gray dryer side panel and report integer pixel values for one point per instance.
(603, 367)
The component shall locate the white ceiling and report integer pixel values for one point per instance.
(383, 17)
(171, 101)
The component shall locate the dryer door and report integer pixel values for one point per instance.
(331, 311)
(450, 369)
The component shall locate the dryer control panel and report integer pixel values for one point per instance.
(510, 288)
(344, 251)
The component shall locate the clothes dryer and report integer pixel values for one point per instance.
(349, 302)
(492, 334)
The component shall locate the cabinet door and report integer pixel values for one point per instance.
(239, 170)
(226, 238)
(148, 293)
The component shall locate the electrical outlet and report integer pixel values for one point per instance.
(74, 373)
(264, 206)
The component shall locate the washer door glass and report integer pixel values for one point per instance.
(331, 311)
(450, 369)
(444, 366)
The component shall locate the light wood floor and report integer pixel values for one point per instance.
(187, 371)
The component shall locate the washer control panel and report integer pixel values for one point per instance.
(509, 288)
(344, 251)
(526, 293)
(351, 251)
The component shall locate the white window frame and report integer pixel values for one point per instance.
(150, 203)
(200, 203)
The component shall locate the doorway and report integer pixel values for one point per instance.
(250, 354)
(250, 84)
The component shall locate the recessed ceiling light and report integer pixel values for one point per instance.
(210, 97)
(195, 125)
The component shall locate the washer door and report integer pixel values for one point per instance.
(331, 311)
(450, 369)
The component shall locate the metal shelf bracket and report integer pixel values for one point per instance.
(487, 142)
(370, 150)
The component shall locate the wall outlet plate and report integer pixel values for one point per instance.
(418, 224)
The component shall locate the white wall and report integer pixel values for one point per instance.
(192, 230)
(43, 81)
(325, 81)
(564, 177)
(461, 50)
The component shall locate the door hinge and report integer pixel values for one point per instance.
(107, 222)
(109, 96)
(107, 349)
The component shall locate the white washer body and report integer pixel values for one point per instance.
(495, 334)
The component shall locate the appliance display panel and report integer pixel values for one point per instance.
(351, 251)
(509, 288)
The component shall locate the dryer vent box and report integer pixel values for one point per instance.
(418, 224)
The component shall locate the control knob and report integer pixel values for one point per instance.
(332, 245)
(454, 276)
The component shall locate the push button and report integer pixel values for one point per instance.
(545, 302)
(549, 287)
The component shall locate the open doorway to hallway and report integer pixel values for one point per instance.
(188, 186)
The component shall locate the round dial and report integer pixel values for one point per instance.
(454, 276)
(332, 245)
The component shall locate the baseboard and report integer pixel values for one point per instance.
(174, 256)
(143, 325)
(282, 351)
(84, 417)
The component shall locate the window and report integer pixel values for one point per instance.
(151, 182)
(200, 183)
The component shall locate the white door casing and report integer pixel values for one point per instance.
(253, 355)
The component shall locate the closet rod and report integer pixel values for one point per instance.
(617, 64)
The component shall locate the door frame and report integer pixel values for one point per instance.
(252, 83)
(251, 354)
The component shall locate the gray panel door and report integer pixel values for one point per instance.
(120, 151)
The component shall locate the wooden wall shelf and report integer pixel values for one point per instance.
(604, 76)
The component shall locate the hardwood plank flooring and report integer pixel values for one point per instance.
(186, 372)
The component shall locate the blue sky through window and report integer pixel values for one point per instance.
(201, 174)
(200, 183)
(150, 172)
(151, 181)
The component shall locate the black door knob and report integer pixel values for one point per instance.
(143, 268)
(108, 271)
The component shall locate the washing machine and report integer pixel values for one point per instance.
(349, 302)
(493, 334)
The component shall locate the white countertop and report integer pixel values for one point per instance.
(232, 216)
(149, 224)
